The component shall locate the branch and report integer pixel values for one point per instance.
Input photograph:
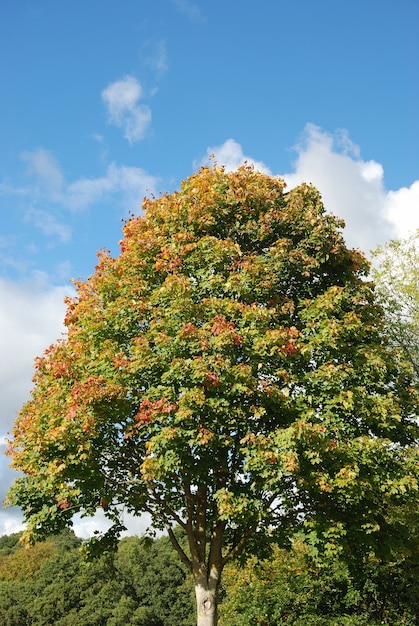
(183, 557)
(201, 521)
(164, 507)
(238, 547)
(215, 556)
(195, 552)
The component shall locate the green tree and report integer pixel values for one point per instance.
(397, 282)
(141, 584)
(225, 373)
(9, 543)
(154, 577)
(288, 589)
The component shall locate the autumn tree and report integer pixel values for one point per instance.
(226, 373)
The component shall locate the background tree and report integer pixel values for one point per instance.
(397, 278)
(287, 588)
(142, 584)
(225, 373)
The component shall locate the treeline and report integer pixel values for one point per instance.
(143, 584)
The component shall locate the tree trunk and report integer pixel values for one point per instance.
(206, 602)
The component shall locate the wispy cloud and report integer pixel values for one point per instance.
(47, 197)
(44, 166)
(49, 224)
(153, 53)
(49, 187)
(191, 9)
(122, 99)
(131, 183)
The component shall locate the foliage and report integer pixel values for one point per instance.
(9, 543)
(139, 586)
(155, 575)
(226, 373)
(143, 584)
(288, 589)
(397, 279)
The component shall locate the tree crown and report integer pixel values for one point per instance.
(226, 372)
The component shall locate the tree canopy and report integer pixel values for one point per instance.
(141, 584)
(227, 372)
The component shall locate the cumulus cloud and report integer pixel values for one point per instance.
(231, 155)
(354, 189)
(11, 522)
(403, 209)
(85, 527)
(31, 316)
(124, 109)
(351, 188)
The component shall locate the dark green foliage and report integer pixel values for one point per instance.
(138, 586)
(143, 584)
(9, 543)
(154, 574)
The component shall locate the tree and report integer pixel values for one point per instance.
(142, 584)
(397, 280)
(287, 589)
(151, 571)
(225, 373)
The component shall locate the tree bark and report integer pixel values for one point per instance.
(206, 602)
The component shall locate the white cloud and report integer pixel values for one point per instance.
(11, 522)
(231, 155)
(133, 183)
(122, 100)
(85, 527)
(154, 54)
(403, 209)
(31, 316)
(351, 188)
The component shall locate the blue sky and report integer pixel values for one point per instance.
(104, 102)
